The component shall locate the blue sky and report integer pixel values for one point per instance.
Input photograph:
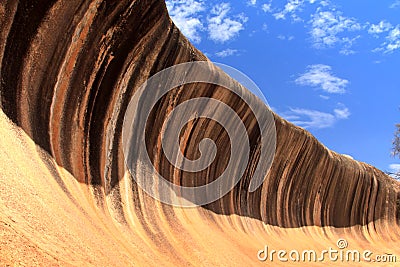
(331, 67)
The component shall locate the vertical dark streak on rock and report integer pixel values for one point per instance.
(27, 19)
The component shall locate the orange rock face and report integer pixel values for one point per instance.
(68, 72)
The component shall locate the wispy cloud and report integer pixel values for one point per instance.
(252, 2)
(314, 119)
(347, 45)
(379, 28)
(190, 17)
(396, 4)
(324, 97)
(267, 7)
(284, 37)
(307, 118)
(227, 52)
(392, 42)
(321, 76)
(394, 168)
(279, 15)
(185, 14)
(326, 27)
(342, 112)
(291, 7)
(323, 3)
(221, 27)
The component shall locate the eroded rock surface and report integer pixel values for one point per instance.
(68, 71)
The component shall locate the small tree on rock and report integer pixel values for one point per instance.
(396, 148)
(396, 142)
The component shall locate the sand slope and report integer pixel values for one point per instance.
(69, 69)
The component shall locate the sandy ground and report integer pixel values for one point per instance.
(45, 224)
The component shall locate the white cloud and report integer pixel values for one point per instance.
(185, 14)
(267, 7)
(291, 7)
(378, 49)
(325, 3)
(381, 27)
(347, 45)
(342, 113)
(321, 76)
(326, 26)
(279, 15)
(324, 97)
(315, 119)
(392, 42)
(347, 52)
(188, 16)
(222, 28)
(394, 34)
(227, 52)
(252, 2)
(393, 39)
(284, 37)
(395, 170)
(396, 4)
(394, 167)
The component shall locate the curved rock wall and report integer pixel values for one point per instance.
(68, 71)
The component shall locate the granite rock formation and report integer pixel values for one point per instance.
(68, 71)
